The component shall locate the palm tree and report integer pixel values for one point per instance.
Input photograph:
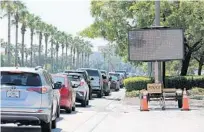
(32, 23)
(7, 6)
(40, 30)
(57, 39)
(47, 33)
(52, 40)
(68, 40)
(23, 20)
(17, 8)
(62, 41)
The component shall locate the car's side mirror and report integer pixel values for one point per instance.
(110, 78)
(57, 85)
(92, 78)
(75, 85)
(104, 77)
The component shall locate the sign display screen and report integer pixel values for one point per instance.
(156, 44)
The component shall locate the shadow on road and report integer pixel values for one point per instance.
(64, 112)
(20, 129)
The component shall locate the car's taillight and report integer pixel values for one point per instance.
(81, 83)
(39, 89)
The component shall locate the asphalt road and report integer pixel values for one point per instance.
(113, 114)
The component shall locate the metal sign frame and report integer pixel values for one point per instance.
(155, 28)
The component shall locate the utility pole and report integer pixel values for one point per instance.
(158, 78)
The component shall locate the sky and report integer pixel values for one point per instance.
(70, 16)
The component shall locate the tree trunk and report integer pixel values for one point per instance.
(74, 58)
(200, 68)
(46, 42)
(52, 61)
(62, 62)
(82, 59)
(66, 57)
(22, 44)
(26, 59)
(185, 64)
(31, 47)
(71, 50)
(9, 37)
(57, 51)
(39, 48)
(78, 59)
(16, 47)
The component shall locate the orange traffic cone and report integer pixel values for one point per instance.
(185, 106)
(144, 103)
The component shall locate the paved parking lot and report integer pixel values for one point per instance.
(113, 114)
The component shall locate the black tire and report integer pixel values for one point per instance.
(46, 127)
(107, 93)
(58, 112)
(74, 107)
(54, 124)
(83, 103)
(87, 102)
(68, 110)
(100, 95)
(90, 93)
(180, 103)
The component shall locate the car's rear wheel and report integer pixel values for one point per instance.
(58, 112)
(54, 124)
(46, 127)
(83, 103)
(68, 110)
(87, 102)
(74, 107)
(180, 103)
(106, 93)
(100, 95)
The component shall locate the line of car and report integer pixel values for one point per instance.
(32, 96)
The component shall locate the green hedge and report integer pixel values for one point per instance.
(138, 83)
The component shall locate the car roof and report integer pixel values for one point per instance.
(22, 69)
(74, 74)
(88, 69)
(59, 75)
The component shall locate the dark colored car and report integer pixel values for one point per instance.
(106, 86)
(96, 81)
(86, 77)
(122, 71)
(114, 81)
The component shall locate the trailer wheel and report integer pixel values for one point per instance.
(180, 103)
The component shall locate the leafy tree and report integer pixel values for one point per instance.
(113, 19)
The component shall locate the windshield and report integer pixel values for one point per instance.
(59, 79)
(20, 79)
(93, 72)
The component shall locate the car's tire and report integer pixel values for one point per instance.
(107, 93)
(180, 103)
(54, 124)
(83, 103)
(90, 94)
(100, 95)
(58, 112)
(46, 127)
(74, 107)
(68, 110)
(87, 102)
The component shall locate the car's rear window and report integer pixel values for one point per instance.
(74, 78)
(93, 72)
(59, 79)
(20, 79)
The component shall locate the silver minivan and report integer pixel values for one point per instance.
(27, 97)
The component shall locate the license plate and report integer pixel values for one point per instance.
(13, 94)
